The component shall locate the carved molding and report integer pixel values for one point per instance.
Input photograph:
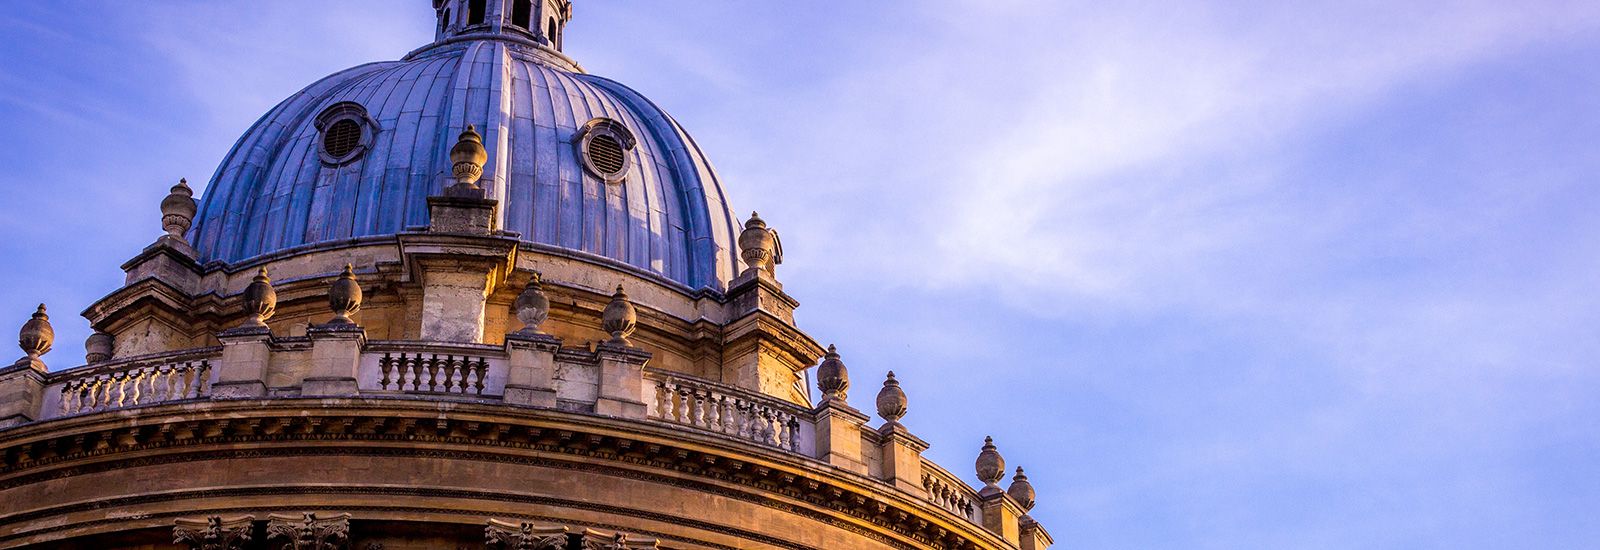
(505, 535)
(382, 426)
(213, 533)
(308, 532)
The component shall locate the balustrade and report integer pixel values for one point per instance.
(138, 384)
(948, 492)
(703, 406)
(433, 373)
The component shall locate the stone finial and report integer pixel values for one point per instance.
(891, 400)
(832, 377)
(178, 209)
(260, 301)
(36, 337)
(1021, 491)
(759, 245)
(532, 307)
(98, 347)
(619, 318)
(344, 297)
(991, 467)
(467, 158)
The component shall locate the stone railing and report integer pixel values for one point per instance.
(949, 492)
(138, 381)
(469, 370)
(719, 408)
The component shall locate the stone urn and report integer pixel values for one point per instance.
(832, 376)
(467, 158)
(36, 337)
(619, 318)
(344, 297)
(532, 306)
(991, 466)
(178, 209)
(98, 347)
(891, 400)
(260, 301)
(758, 245)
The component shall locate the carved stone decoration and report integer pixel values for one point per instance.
(505, 535)
(759, 245)
(1021, 491)
(891, 400)
(832, 376)
(260, 301)
(344, 297)
(36, 338)
(532, 307)
(466, 160)
(213, 533)
(308, 532)
(590, 539)
(98, 347)
(991, 467)
(619, 318)
(178, 209)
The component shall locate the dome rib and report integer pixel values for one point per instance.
(668, 216)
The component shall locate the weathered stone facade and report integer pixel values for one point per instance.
(454, 385)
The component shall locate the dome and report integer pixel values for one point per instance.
(577, 162)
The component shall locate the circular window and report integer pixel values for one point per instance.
(603, 146)
(346, 133)
(341, 138)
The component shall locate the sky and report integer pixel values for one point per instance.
(1220, 275)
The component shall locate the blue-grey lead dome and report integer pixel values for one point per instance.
(276, 190)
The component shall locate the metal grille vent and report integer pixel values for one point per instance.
(341, 138)
(606, 155)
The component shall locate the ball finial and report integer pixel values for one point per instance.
(891, 401)
(832, 376)
(991, 467)
(1021, 491)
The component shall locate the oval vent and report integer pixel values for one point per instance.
(341, 138)
(606, 155)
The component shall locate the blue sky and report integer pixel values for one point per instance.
(1220, 275)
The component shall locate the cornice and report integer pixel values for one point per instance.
(207, 430)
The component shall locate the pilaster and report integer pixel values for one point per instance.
(242, 371)
(1034, 536)
(763, 351)
(1002, 516)
(621, 381)
(335, 356)
(530, 376)
(21, 394)
(169, 260)
(462, 212)
(902, 457)
(839, 435)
